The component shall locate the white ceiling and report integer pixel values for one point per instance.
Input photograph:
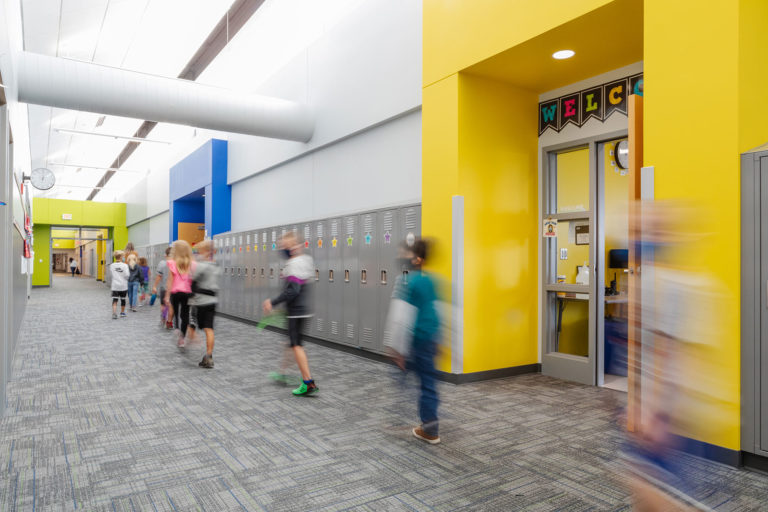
(158, 37)
(151, 36)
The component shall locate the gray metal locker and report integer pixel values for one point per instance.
(320, 254)
(305, 238)
(390, 237)
(335, 277)
(262, 268)
(410, 222)
(273, 263)
(350, 279)
(252, 286)
(240, 258)
(229, 246)
(369, 277)
(235, 261)
(247, 279)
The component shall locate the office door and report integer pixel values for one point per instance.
(569, 291)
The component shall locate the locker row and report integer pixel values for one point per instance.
(355, 259)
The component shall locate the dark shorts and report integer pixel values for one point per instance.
(121, 294)
(295, 326)
(203, 316)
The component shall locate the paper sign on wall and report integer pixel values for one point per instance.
(550, 228)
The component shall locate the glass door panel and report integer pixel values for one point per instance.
(613, 192)
(569, 255)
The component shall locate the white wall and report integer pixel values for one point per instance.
(380, 167)
(363, 80)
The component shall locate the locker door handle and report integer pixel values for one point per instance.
(330, 276)
(262, 273)
(364, 276)
(346, 275)
(383, 277)
(271, 273)
(317, 274)
(253, 273)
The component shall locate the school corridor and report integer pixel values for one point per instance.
(109, 415)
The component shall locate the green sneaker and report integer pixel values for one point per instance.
(303, 389)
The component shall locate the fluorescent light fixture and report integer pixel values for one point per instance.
(563, 54)
(112, 136)
(96, 168)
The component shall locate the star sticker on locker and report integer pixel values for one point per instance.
(368, 239)
(248, 248)
(274, 246)
(255, 248)
(387, 237)
(306, 244)
(320, 244)
(334, 242)
(349, 241)
(264, 248)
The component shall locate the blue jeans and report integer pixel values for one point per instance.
(423, 364)
(133, 288)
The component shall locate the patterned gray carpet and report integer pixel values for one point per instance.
(109, 415)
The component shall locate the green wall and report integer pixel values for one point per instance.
(47, 212)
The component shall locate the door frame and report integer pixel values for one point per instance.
(565, 366)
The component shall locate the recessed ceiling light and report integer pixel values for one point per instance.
(563, 54)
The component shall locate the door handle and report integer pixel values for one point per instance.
(364, 276)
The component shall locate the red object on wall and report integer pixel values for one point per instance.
(27, 254)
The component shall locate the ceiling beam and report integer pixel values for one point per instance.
(229, 25)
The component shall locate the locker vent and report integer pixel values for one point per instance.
(320, 325)
(335, 328)
(387, 337)
(264, 237)
(368, 224)
(274, 236)
(334, 228)
(350, 331)
(388, 221)
(248, 239)
(410, 219)
(367, 335)
(319, 231)
(350, 226)
(307, 232)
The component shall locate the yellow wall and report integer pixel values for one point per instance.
(42, 262)
(727, 41)
(440, 170)
(47, 212)
(499, 180)
(459, 33)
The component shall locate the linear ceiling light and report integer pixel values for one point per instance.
(97, 168)
(123, 137)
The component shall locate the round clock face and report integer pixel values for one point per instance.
(42, 178)
(622, 154)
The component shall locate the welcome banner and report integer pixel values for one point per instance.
(596, 102)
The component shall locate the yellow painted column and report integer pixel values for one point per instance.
(498, 177)
(439, 175)
(704, 105)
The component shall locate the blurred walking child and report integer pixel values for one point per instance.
(205, 287)
(179, 286)
(296, 295)
(135, 280)
(422, 293)
(144, 291)
(119, 271)
(159, 290)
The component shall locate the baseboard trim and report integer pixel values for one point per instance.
(41, 286)
(754, 462)
(461, 378)
(710, 451)
(500, 373)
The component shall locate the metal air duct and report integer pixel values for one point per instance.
(76, 85)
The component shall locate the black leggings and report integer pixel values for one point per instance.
(181, 310)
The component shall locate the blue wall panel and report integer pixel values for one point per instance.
(204, 170)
